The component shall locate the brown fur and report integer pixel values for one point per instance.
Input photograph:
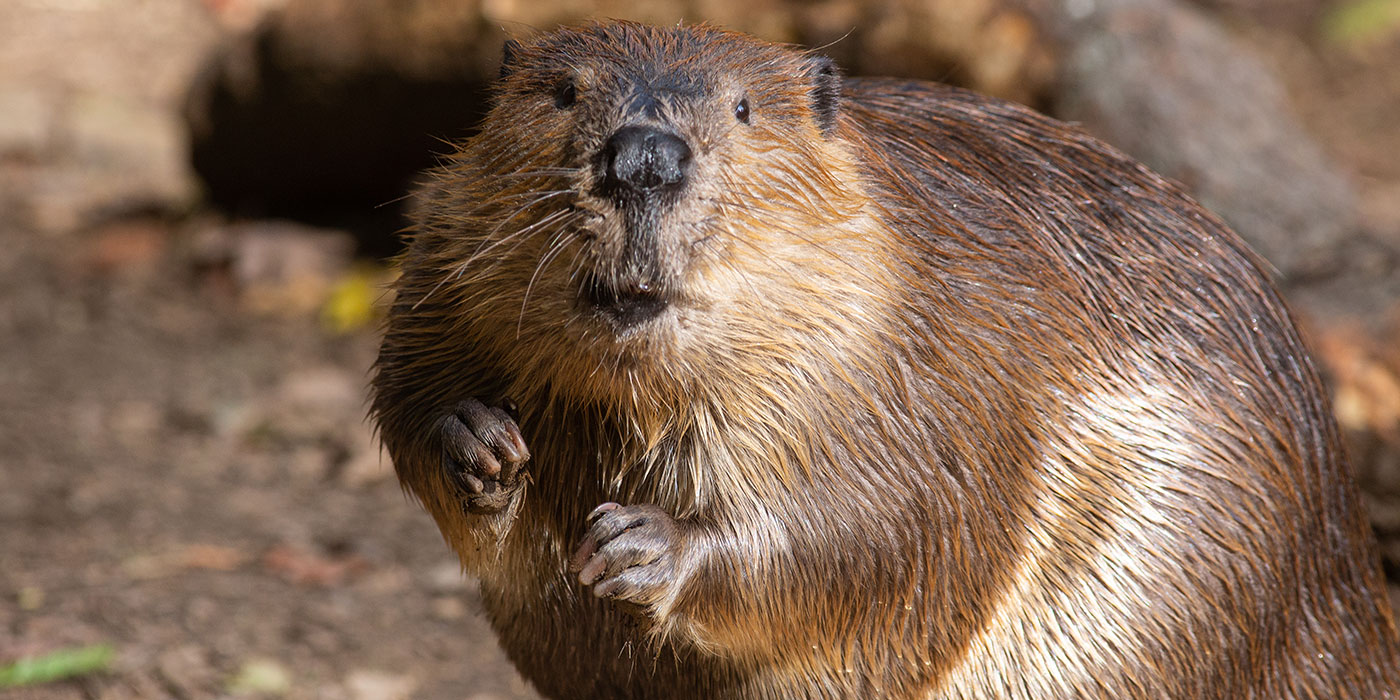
(947, 399)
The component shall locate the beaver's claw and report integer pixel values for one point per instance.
(483, 453)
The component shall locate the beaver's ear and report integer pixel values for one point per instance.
(826, 91)
(509, 51)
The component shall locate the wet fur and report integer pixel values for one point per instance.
(949, 399)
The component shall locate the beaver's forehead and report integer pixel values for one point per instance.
(657, 78)
(669, 77)
(677, 60)
(675, 71)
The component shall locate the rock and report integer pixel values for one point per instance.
(89, 124)
(1175, 90)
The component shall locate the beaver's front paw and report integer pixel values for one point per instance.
(483, 452)
(631, 553)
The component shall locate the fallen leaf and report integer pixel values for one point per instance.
(351, 304)
(261, 676)
(1366, 387)
(57, 665)
(308, 569)
(377, 685)
(126, 246)
(192, 556)
(1362, 22)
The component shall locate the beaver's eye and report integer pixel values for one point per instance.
(565, 95)
(741, 110)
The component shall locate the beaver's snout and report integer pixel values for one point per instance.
(642, 169)
(642, 160)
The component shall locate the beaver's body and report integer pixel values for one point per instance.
(905, 393)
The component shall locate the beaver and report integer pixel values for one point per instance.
(732, 377)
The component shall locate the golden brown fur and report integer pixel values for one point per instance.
(942, 399)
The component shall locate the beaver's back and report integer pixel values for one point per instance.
(1166, 339)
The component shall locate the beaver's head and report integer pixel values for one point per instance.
(649, 199)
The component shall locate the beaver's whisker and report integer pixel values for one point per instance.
(560, 226)
(496, 200)
(487, 245)
(556, 246)
(545, 172)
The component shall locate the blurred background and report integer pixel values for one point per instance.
(199, 200)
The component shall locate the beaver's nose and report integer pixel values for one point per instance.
(643, 159)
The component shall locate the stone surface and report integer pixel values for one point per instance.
(1174, 89)
(89, 96)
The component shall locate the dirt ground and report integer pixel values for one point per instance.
(186, 473)
(196, 486)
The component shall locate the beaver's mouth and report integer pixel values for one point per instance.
(625, 305)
